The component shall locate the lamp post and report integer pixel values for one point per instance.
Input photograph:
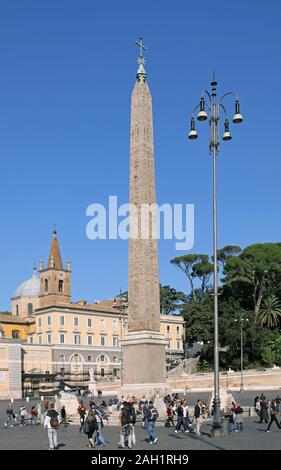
(241, 319)
(214, 106)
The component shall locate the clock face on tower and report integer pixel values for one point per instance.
(61, 276)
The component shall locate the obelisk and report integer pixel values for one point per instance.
(143, 348)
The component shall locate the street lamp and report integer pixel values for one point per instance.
(241, 319)
(214, 106)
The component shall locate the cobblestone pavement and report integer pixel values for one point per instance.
(253, 437)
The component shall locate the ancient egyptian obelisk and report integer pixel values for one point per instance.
(143, 348)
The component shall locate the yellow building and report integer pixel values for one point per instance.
(68, 338)
(12, 327)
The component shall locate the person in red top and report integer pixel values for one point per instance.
(34, 414)
(170, 416)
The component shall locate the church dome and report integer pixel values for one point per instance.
(29, 288)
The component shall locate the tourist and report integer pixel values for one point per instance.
(150, 419)
(51, 423)
(99, 439)
(257, 398)
(182, 411)
(170, 416)
(273, 415)
(278, 401)
(34, 414)
(128, 420)
(264, 411)
(90, 427)
(39, 411)
(144, 411)
(63, 415)
(258, 408)
(238, 411)
(231, 417)
(10, 416)
(82, 413)
(46, 407)
(198, 416)
(22, 415)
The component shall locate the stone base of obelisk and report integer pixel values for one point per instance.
(144, 365)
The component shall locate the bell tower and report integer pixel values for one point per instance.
(55, 282)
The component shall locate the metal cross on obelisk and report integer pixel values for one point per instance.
(141, 46)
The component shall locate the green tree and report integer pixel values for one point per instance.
(170, 299)
(194, 266)
(258, 266)
(227, 252)
(198, 318)
(269, 314)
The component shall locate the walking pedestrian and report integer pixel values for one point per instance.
(34, 414)
(198, 416)
(182, 414)
(22, 415)
(170, 416)
(90, 427)
(51, 423)
(128, 420)
(273, 415)
(150, 419)
(10, 416)
(99, 439)
(264, 411)
(82, 413)
(238, 417)
(63, 415)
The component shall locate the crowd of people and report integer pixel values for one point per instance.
(178, 415)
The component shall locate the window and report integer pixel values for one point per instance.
(49, 320)
(49, 338)
(77, 339)
(90, 340)
(114, 325)
(178, 330)
(178, 345)
(39, 322)
(16, 334)
(89, 358)
(30, 339)
(17, 310)
(60, 285)
(115, 341)
(102, 325)
(168, 329)
(29, 309)
(102, 372)
(89, 323)
(102, 340)
(102, 358)
(39, 339)
(61, 320)
(76, 321)
(61, 338)
(46, 284)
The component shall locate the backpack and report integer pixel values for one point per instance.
(153, 414)
(129, 415)
(54, 422)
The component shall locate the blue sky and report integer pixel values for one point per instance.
(67, 68)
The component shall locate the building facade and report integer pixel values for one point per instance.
(65, 339)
